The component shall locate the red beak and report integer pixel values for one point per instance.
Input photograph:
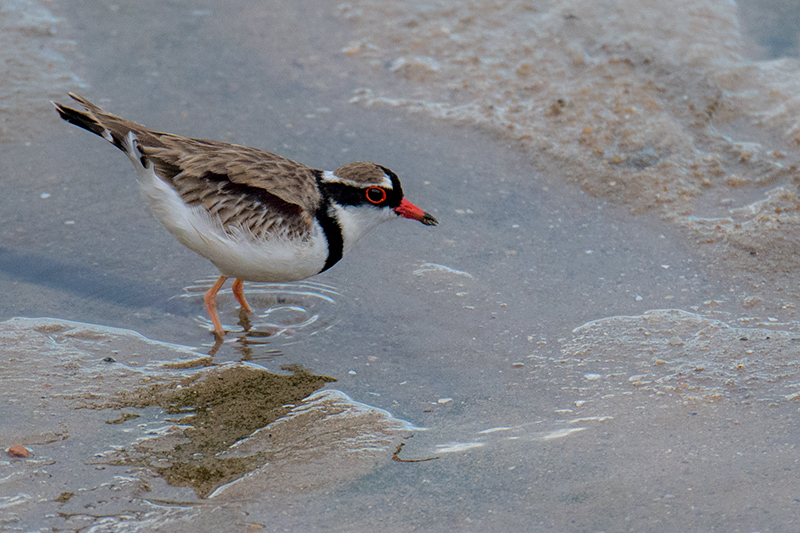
(408, 210)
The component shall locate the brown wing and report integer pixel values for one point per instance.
(288, 180)
(247, 187)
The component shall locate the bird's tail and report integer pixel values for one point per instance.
(110, 127)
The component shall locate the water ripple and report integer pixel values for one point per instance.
(283, 313)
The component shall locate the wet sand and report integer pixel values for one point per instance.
(600, 336)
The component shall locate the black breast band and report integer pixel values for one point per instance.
(333, 234)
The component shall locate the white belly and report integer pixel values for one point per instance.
(277, 260)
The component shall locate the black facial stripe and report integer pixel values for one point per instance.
(333, 234)
(348, 195)
(343, 194)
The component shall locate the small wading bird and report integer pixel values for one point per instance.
(256, 215)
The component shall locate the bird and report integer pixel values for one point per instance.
(257, 216)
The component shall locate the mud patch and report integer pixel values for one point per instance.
(217, 408)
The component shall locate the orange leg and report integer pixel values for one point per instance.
(211, 306)
(238, 291)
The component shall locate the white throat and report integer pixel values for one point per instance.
(358, 221)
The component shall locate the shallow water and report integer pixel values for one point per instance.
(575, 366)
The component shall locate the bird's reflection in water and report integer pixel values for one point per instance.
(246, 347)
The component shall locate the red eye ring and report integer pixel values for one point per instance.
(376, 195)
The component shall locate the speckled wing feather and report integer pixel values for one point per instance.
(245, 187)
(290, 181)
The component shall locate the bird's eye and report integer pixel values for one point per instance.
(376, 195)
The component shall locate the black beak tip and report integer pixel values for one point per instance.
(429, 220)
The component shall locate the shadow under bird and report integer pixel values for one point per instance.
(255, 215)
